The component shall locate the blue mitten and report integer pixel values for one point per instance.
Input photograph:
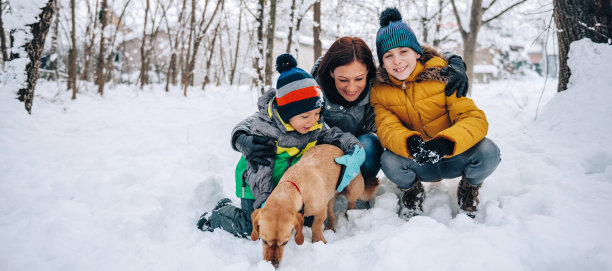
(352, 161)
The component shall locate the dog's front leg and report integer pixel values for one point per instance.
(317, 227)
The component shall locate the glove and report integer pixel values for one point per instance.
(414, 145)
(256, 149)
(459, 80)
(434, 150)
(352, 160)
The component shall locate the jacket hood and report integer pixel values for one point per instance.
(430, 70)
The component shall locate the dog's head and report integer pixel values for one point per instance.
(275, 228)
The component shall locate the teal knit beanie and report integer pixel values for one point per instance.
(394, 33)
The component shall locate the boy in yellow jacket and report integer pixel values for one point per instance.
(428, 136)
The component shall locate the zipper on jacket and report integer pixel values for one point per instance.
(403, 85)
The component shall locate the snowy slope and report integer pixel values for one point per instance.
(118, 183)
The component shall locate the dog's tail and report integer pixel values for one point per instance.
(371, 184)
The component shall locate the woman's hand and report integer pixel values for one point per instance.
(459, 81)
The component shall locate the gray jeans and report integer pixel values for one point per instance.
(477, 163)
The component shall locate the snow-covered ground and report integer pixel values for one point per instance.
(118, 183)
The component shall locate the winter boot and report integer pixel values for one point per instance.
(204, 222)
(467, 197)
(413, 200)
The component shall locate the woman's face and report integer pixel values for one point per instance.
(400, 62)
(350, 80)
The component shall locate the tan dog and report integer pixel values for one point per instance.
(311, 183)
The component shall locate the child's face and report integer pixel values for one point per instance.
(400, 62)
(350, 80)
(303, 122)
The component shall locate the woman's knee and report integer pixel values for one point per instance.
(371, 144)
(373, 150)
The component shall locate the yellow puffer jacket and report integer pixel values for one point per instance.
(418, 106)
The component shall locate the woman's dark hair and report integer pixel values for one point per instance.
(342, 52)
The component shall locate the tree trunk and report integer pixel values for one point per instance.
(235, 62)
(34, 49)
(270, 44)
(260, 50)
(316, 30)
(436, 42)
(578, 19)
(143, 60)
(89, 47)
(2, 38)
(209, 60)
(291, 26)
(185, 75)
(101, 76)
(72, 65)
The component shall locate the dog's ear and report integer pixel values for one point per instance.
(255, 220)
(299, 222)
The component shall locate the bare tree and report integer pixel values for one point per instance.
(34, 49)
(2, 36)
(90, 33)
(316, 30)
(470, 37)
(72, 58)
(270, 44)
(173, 69)
(257, 63)
(143, 61)
(235, 60)
(100, 75)
(210, 57)
(577, 19)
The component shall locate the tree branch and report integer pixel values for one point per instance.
(490, 5)
(503, 11)
(456, 13)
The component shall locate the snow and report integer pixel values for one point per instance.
(118, 183)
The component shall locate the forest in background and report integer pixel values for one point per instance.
(185, 43)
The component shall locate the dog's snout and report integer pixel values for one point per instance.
(275, 264)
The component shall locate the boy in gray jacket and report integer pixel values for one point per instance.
(288, 121)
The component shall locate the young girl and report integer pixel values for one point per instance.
(290, 117)
(428, 136)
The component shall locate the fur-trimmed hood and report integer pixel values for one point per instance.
(429, 73)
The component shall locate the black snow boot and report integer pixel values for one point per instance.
(413, 199)
(204, 222)
(467, 197)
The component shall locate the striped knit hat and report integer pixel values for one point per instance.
(394, 33)
(296, 91)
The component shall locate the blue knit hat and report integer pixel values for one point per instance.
(394, 33)
(296, 91)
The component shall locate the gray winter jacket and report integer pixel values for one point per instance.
(289, 143)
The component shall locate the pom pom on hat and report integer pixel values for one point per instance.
(389, 15)
(285, 62)
(296, 91)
